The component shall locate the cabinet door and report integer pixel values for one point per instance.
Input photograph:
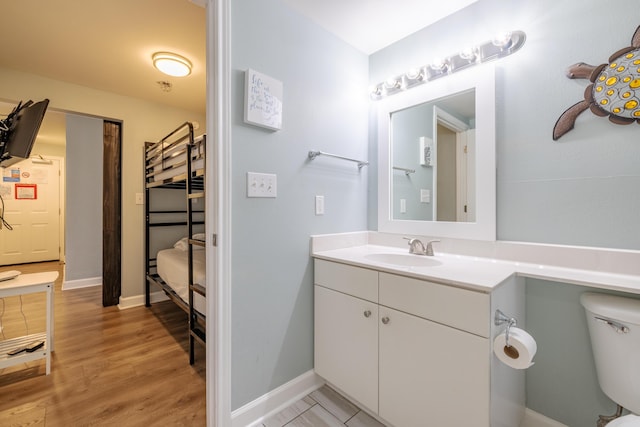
(431, 374)
(346, 344)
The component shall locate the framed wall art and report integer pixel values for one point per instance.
(263, 100)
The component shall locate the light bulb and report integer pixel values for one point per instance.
(468, 53)
(438, 64)
(502, 40)
(391, 83)
(414, 74)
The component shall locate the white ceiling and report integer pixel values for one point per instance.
(370, 25)
(107, 45)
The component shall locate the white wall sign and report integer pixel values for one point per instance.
(263, 100)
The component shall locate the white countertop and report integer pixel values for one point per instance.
(478, 273)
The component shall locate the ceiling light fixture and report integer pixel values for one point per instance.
(172, 64)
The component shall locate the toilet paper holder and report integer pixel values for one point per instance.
(500, 318)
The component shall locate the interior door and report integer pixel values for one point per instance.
(31, 193)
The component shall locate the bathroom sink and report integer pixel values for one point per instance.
(405, 260)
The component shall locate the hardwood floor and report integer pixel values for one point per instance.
(109, 367)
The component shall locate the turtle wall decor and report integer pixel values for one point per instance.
(614, 90)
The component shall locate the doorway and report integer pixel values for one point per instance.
(93, 214)
(32, 195)
(454, 169)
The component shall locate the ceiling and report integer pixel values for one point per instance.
(370, 25)
(107, 45)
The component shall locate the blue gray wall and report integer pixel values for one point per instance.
(83, 213)
(407, 128)
(580, 190)
(325, 107)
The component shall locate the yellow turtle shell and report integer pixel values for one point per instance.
(616, 89)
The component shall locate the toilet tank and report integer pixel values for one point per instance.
(614, 327)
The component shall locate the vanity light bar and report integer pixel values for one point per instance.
(502, 45)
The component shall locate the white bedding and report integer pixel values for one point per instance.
(173, 268)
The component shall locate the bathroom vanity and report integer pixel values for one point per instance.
(411, 348)
(409, 338)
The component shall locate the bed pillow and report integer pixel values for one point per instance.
(183, 245)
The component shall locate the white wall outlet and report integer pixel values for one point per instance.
(262, 185)
(403, 205)
(425, 196)
(139, 199)
(319, 205)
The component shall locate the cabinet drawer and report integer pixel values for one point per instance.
(463, 309)
(356, 281)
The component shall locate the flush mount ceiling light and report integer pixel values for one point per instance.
(172, 64)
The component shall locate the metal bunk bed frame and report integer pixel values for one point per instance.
(193, 182)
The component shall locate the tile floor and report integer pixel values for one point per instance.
(326, 408)
(322, 408)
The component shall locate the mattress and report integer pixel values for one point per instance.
(173, 268)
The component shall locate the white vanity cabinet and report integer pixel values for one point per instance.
(413, 352)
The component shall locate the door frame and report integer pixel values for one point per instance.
(447, 120)
(218, 213)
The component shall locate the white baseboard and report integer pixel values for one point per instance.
(81, 283)
(534, 419)
(276, 400)
(138, 300)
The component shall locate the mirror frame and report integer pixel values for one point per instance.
(482, 79)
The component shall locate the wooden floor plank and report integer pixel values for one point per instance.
(109, 367)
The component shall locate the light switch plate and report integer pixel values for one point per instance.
(139, 199)
(262, 184)
(319, 205)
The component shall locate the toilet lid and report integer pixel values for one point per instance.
(626, 421)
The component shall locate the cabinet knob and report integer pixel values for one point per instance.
(385, 320)
(367, 313)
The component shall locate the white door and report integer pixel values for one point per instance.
(31, 193)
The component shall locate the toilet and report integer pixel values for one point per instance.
(614, 327)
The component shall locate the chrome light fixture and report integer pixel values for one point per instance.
(172, 64)
(501, 45)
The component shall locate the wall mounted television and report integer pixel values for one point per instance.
(18, 131)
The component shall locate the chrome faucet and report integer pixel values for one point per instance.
(418, 248)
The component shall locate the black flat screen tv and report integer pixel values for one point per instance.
(21, 129)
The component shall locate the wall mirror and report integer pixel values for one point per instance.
(436, 157)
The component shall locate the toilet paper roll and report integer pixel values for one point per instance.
(519, 354)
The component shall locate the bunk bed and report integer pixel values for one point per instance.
(174, 183)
